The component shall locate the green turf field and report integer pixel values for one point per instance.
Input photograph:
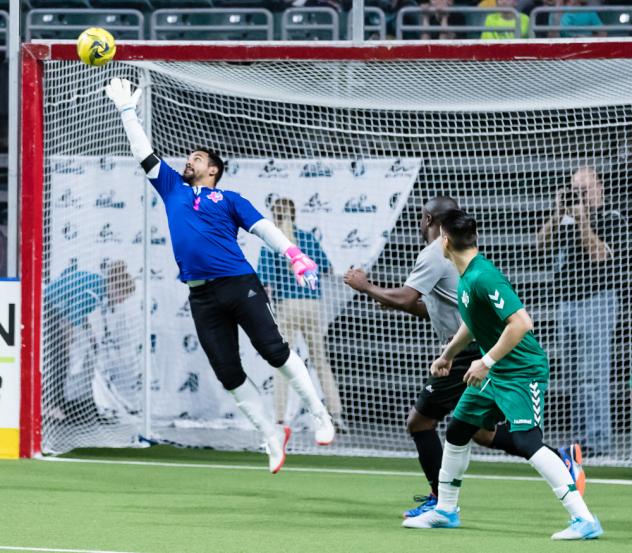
(191, 501)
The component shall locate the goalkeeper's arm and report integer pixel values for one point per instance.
(120, 92)
(305, 269)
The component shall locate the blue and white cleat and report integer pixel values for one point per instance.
(426, 503)
(434, 519)
(580, 529)
(572, 457)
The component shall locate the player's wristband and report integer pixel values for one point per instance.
(488, 361)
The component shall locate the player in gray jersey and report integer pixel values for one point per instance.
(430, 293)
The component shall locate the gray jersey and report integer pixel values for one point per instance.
(436, 279)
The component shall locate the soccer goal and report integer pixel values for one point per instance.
(357, 138)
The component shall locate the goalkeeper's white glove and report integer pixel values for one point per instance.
(120, 92)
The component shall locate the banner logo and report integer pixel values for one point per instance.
(192, 383)
(8, 334)
(185, 310)
(316, 169)
(106, 163)
(231, 167)
(315, 204)
(67, 167)
(69, 231)
(357, 167)
(400, 169)
(106, 234)
(360, 205)
(68, 199)
(272, 170)
(394, 200)
(190, 343)
(354, 240)
(107, 200)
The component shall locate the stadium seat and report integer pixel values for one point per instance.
(310, 24)
(67, 24)
(182, 4)
(4, 5)
(212, 24)
(142, 5)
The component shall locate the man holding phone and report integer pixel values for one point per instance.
(587, 240)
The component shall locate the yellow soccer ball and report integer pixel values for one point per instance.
(95, 46)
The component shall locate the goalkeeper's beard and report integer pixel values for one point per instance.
(188, 178)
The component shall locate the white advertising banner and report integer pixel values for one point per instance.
(9, 368)
(350, 206)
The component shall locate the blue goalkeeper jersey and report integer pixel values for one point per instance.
(203, 223)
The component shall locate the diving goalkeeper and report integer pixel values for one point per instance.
(224, 289)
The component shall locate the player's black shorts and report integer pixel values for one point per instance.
(440, 395)
(218, 308)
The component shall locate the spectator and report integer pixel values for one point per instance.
(549, 19)
(507, 20)
(437, 17)
(121, 340)
(298, 309)
(580, 18)
(588, 240)
(71, 345)
(390, 9)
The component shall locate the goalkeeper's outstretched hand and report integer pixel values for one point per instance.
(120, 92)
(305, 270)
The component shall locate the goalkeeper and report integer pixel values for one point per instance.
(224, 289)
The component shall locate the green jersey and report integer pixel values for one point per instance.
(486, 300)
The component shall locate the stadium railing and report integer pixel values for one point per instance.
(47, 4)
(374, 24)
(212, 24)
(622, 27)
(310, 24)
(59, 23)
(404, 28)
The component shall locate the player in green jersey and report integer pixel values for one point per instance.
(507, 383)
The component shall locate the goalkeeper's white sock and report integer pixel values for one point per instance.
(552, 469)
(250, 403)
(454, 463)
(298, 376)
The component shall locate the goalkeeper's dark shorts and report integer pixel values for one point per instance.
(440, 395)
(221, 305)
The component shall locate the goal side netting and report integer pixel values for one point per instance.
(357, 147)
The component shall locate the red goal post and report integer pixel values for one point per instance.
(33, 127)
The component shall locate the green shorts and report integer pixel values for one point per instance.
(518, 400)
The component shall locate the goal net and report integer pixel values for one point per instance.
(355, 143)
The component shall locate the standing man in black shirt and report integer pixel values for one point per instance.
(588, 240)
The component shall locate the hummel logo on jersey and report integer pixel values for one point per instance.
(251, 293)
(215, 196)
(465, 298)
(494, 297)
(535, 399)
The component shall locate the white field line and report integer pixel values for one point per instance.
(619, 482)
(52, 550)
